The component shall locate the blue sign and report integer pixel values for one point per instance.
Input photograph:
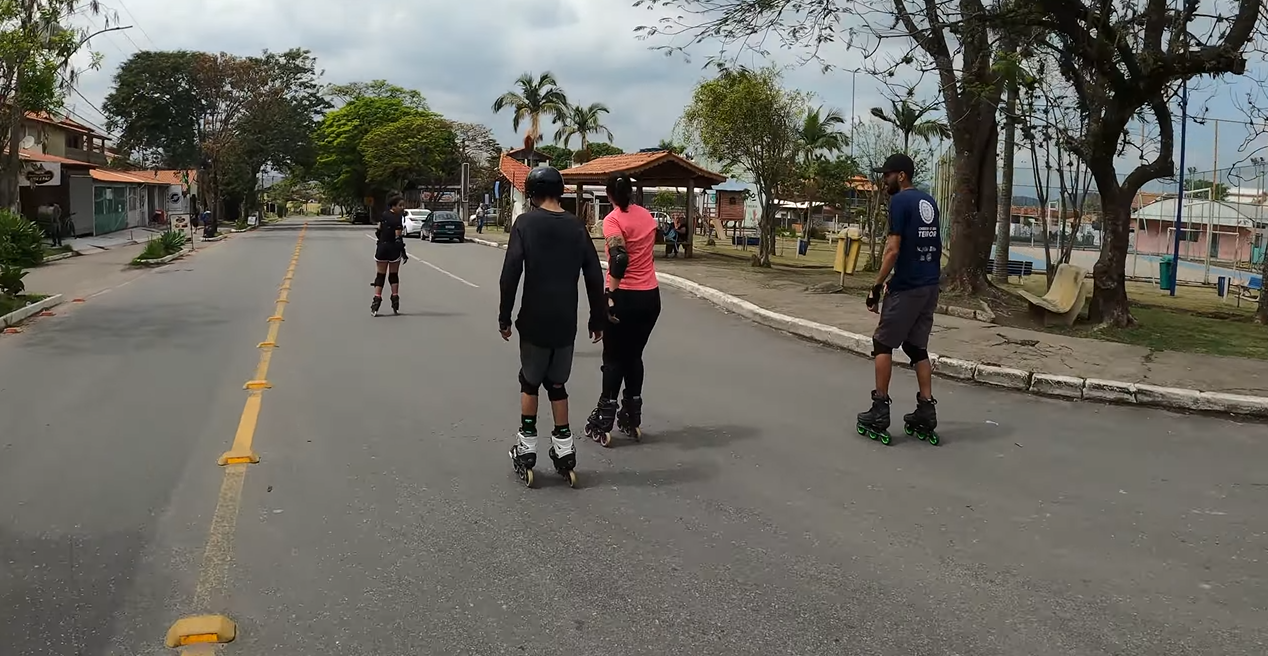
(486, 199)
(497, 188)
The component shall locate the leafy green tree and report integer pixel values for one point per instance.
(36, 71)
(339, 165)
(156, 110)
(820, 138)
(534, 98)
(560, 157)
(745, 120)
(346, 93)
(581, 122)
(419, 150)
(479, 149)
(600, 149)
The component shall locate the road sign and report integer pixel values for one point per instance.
(497, 188)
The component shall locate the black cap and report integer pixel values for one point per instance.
(897, 163)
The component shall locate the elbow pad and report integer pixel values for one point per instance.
(618, 261)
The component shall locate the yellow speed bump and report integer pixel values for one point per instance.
(276, 317)
(257, 385)
(201, 629)
(234, 458)
(266, 345)
(285, 287)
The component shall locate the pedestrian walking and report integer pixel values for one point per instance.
(913, 253)
(550, 248)
(633, 307)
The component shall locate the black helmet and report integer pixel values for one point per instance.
(544, 182)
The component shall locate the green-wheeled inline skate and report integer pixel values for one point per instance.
(922, 421)
(875, 422)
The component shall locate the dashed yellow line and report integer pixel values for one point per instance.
(195, 635)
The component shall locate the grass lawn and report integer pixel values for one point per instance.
(50, 251)
(1195, 320)
(13, 303)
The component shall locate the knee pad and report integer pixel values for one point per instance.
(556, 391)
(379, 278)
(394, 278)
(528, 388)
(916, 354)
(880, 349)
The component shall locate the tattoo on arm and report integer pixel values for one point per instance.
(616, 241)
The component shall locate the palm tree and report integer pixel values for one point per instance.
(819, 138)
(535, 97)
(578, 121)
(819, 134)
(910, 120)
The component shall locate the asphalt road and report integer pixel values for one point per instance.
(384, 517)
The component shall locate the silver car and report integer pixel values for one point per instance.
(413, 220)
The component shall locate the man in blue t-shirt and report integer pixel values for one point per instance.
(913, 253)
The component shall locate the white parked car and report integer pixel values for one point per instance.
(413, 220)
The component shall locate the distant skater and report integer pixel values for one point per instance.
(389, 252)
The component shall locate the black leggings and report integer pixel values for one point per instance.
(623, 342)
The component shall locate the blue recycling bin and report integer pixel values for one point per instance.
(1221, 286)
(803, 247)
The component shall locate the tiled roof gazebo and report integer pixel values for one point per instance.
(649, 169)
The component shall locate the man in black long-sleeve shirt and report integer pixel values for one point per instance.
(552, 249)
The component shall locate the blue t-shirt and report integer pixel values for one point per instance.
(914, 216)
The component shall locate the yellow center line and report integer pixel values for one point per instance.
(195, 635)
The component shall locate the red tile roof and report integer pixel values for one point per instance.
(126, 177)
(635, 163)
(165, 177)
(36, 156)
(513, 171)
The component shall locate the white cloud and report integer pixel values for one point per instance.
(460, 55)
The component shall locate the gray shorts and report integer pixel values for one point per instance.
(907, 317)
(540, 365)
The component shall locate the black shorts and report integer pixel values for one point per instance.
(907, 317)
(541, 364)
(388, 252)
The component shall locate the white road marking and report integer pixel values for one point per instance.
(455, 277)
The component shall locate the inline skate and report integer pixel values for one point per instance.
(599, 425)
(629, 418)
(375, 305)
(524, 456)
(396, 304)
(922, 421)
(875, 422)
(563, 453)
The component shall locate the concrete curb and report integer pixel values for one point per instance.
(59, 256)
(18, 316)
(1034, 382)
(216, 238)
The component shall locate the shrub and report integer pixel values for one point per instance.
(172, 241)
(241, 223)
(21, 241)
(153, 250)
(11, 280)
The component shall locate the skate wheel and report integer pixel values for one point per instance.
(886, 439)
(862, 431)
(528, 478)
(572, 478)
(605, 439)
(909, 431)
(637, 434)
(934, 440)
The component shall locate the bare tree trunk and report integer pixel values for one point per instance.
(972, 218)
(1004, 211)
(1109, 297)
(766, 241)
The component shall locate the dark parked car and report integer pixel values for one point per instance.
(444, 225)
(361, 216)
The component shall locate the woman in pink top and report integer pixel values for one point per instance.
(633, 307)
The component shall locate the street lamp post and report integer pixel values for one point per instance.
(1179, 225)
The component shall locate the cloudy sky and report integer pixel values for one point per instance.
(462, 55)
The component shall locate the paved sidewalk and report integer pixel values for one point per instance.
(977, 341)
